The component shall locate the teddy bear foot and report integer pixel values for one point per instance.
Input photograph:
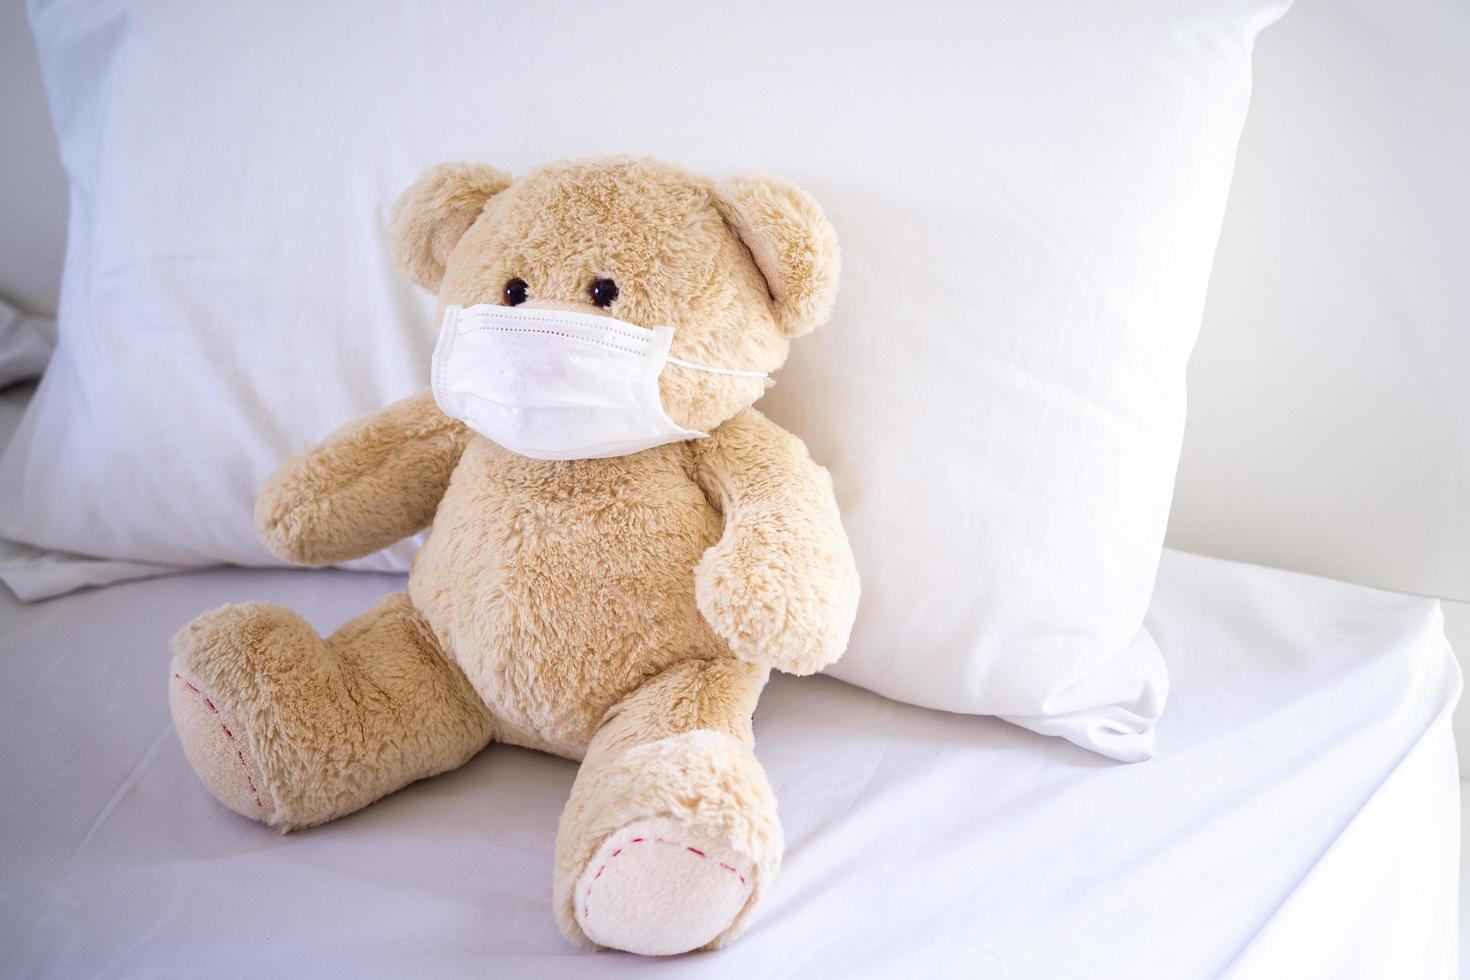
(658, 887)
(218, 748)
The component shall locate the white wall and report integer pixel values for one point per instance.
(32, 186)
(1329, 425)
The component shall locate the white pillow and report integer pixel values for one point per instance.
(1028, 196)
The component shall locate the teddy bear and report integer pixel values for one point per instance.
(614, 599)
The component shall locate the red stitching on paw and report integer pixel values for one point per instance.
(251, 783)
(244, 766)
(587, 895)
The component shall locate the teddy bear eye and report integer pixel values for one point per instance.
(604, 292)
(515, 292)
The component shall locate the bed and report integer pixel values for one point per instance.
(1300, 818)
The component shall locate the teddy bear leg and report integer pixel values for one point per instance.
(670, 835)
(293, 730)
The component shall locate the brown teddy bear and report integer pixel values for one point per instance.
(583, 595)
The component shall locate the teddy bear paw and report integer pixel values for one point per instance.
(658, 887)
(218, 748)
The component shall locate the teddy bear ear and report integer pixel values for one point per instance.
(430, 217)
(792, 242)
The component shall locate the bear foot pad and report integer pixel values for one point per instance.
(657, 887)
(215, 743)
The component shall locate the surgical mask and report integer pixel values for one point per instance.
(549, 384)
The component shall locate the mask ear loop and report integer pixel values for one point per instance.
(734, 372)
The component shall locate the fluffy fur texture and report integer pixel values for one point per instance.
(431, 217)
(791, 243)
(625, 611)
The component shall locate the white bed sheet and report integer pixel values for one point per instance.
(1301, 818)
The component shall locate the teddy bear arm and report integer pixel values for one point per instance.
(372, 482)
(780, 586)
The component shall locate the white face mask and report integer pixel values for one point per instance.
(555, 385)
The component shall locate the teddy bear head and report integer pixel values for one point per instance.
(737, 267)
